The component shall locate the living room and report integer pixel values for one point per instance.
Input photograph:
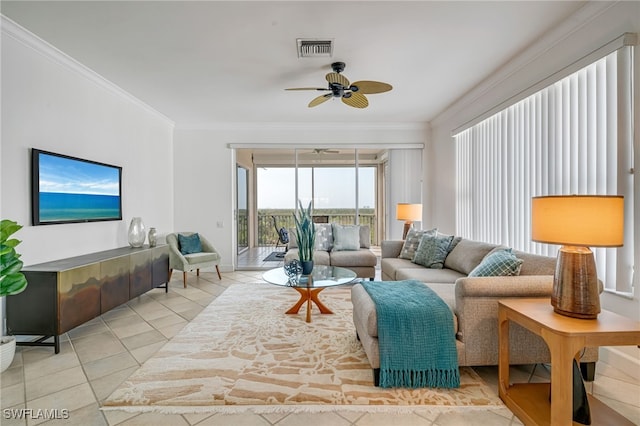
(178, 174)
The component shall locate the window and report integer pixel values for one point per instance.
(342, 192)
(572, 137)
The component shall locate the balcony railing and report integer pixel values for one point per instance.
(267, 234)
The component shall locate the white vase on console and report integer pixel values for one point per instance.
(136, 232)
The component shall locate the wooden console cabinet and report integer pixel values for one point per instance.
(66, 293)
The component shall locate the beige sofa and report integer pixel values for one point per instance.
(362, 261)
(473, 300)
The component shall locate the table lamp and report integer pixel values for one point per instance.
(409, 213)
(577, 222)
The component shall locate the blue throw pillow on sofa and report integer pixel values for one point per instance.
(498, 262)
(189, 243)
(432, 250)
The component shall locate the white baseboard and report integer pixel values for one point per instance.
(623, 358)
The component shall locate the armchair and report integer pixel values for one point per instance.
(207, 258)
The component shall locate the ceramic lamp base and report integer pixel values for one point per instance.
(407, 225)
(575, 284)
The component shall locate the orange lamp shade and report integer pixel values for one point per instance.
(578, 220)
(409, 212)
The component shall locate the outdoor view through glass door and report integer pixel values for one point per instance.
(242, 208)
(342, 190)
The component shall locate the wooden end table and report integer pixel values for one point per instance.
(565, 337)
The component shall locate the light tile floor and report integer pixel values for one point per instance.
(97, 356)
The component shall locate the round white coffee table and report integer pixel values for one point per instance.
(310, 285)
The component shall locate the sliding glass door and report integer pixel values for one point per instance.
(341, 184)
(242, 208)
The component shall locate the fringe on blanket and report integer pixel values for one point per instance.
(433, 378)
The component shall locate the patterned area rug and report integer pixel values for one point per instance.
(244, 353)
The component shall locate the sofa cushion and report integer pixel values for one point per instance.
(467, 255)
(499, 262)
(201, 257)
(433, 250)
(412, 241)
(320, 257)
(428, 275)
(391, 265)
(365, 236)
(324, 236)
(345, 237)
(535, 264)
(347, 258)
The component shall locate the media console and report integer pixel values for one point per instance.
(66, 293)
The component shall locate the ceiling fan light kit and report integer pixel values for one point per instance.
(352, 94)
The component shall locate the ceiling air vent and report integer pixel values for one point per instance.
(314, 48)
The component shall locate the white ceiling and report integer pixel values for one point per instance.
(205, 62)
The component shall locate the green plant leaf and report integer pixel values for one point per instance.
(8, 228)
(12, 242)
(12, 284)
(12, 281)
(12, 267)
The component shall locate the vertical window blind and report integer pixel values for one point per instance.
(572, 137)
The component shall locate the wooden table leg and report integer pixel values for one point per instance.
(309, 295)
(563, 349)
(319, 304)
(503, 353)
(303, 298)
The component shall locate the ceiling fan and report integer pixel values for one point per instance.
(325, 151)
(352, 94)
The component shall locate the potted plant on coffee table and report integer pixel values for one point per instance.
(305, 237)
(12, 281)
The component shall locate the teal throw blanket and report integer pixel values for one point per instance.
(415, 335)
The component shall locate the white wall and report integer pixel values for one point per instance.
(592, 27)
(53, 103)
(205, 166)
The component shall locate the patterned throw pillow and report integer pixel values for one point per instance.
(324, 236)
(412, 241)
(189, 243)
(501, 262)
(346, 237)
(433, 250)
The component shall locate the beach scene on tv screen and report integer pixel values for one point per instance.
(73, 190)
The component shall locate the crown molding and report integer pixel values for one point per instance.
(301, 145)
(324, 126)
(12, 29)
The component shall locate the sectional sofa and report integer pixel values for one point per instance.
(473, 300)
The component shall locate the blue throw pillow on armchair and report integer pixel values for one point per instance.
(189, 243)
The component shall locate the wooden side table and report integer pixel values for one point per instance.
(565, 337)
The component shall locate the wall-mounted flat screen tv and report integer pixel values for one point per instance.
(66, 189)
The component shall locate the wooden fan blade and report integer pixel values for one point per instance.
(334, 77)
(320, 99)
(356, 100)
(308, 88)
(369, 87)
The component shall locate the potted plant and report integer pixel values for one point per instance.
(305, 237)
(12, 281)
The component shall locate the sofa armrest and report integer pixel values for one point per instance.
(476, 305)
(176, 258)
(391, 248)
(505, 287)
